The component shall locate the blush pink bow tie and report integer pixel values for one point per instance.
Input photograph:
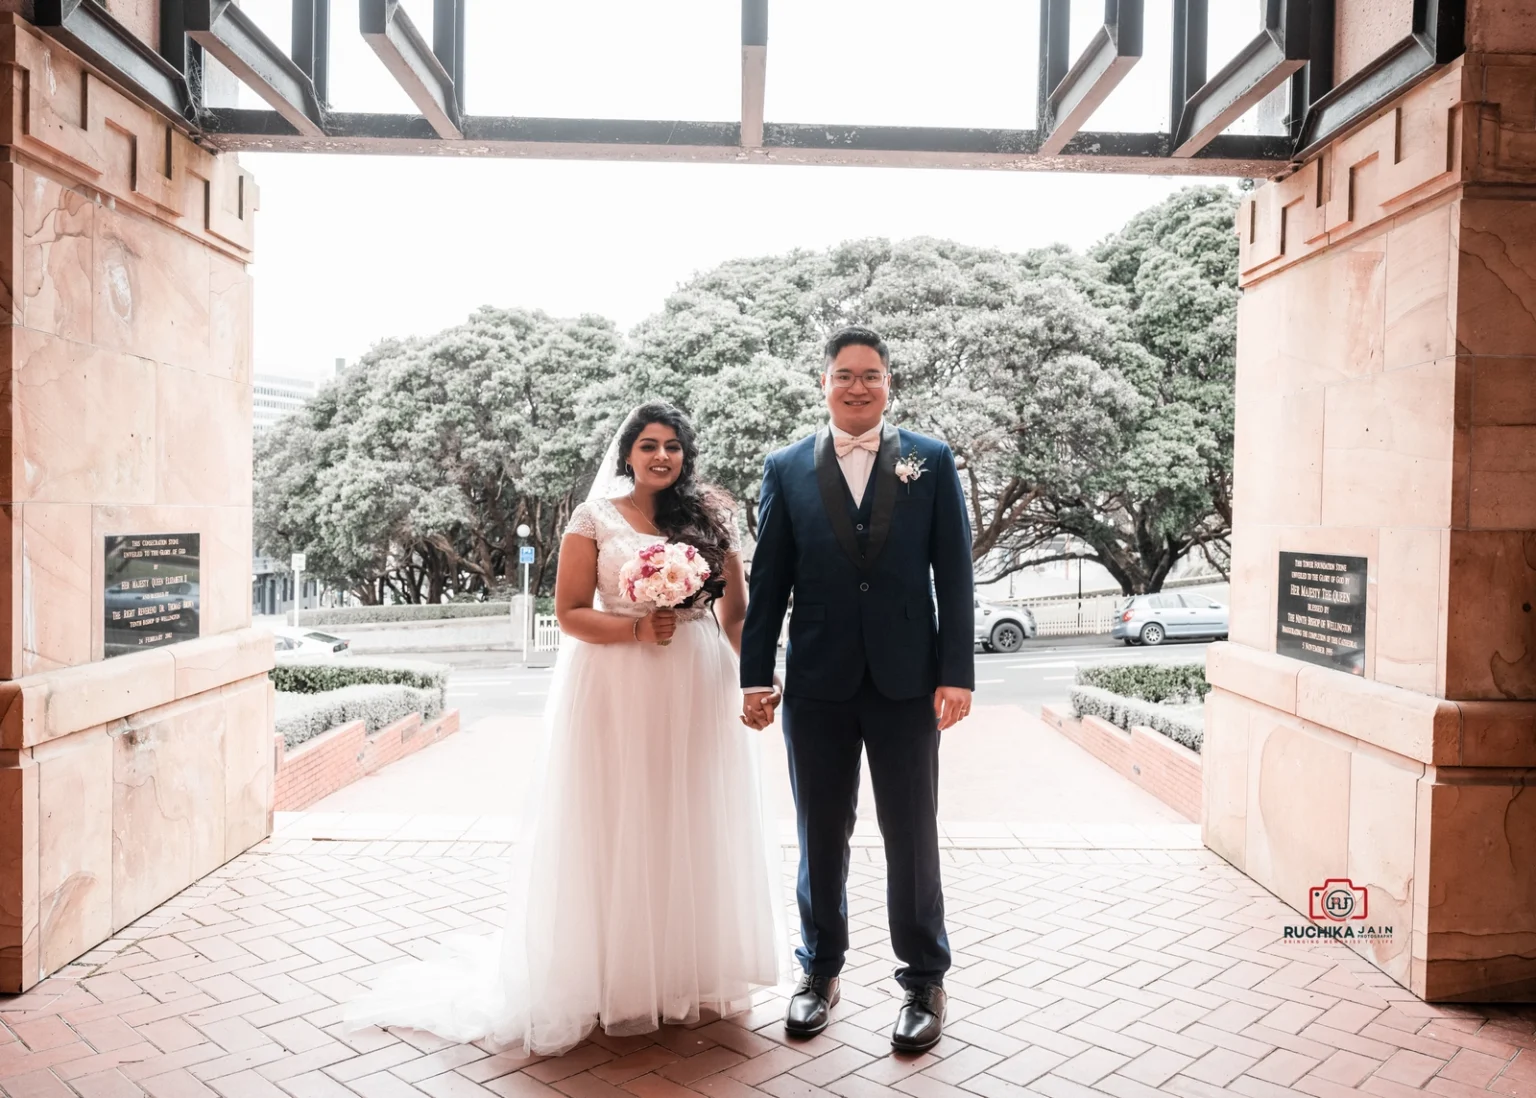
(869, 440)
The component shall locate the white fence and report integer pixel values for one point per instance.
(1071, 616)
(546, 633)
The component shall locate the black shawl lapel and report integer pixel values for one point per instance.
(829, 476)
(885, 492)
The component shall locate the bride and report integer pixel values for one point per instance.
(643, 892)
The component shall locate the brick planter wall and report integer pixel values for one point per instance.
(1167, 770)
(335, 759)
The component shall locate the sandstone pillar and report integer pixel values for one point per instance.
(1386, 409)
(125, 348)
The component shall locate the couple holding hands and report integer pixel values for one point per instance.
(643, 892)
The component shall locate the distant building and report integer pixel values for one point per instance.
(276, 397)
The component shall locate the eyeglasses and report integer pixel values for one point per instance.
(872, 379)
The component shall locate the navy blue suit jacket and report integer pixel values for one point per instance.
(862, 598)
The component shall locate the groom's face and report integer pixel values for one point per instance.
(855, 402)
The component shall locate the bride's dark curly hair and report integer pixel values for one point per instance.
(689, 510)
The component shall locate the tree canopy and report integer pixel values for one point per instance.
(1088, 398)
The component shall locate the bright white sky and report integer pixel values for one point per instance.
(353, 249)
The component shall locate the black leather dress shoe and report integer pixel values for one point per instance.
(810, 1007)
(920, 1022)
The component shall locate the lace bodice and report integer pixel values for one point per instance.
(617, 543)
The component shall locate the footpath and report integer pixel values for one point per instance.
(1006, 778)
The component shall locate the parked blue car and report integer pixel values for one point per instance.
(1152, 619)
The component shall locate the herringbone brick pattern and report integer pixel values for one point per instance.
(1080, 973)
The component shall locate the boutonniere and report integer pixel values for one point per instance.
(910, 468)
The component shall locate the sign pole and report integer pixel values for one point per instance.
(525, 555)
(298, 563)
(1079, 593)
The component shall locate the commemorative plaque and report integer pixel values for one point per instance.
(1320, 616)
(151, 591)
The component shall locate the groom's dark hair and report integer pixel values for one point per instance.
(856, 336)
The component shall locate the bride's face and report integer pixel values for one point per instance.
(656, 458)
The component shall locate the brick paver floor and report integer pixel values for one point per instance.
(1081, 972)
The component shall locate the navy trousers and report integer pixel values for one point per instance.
(825, 740)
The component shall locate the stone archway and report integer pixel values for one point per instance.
(1386, 414)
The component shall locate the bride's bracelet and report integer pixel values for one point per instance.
(636, 629)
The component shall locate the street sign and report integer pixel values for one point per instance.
(298, 562)
(525, 554)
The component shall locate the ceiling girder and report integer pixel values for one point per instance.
(387, 28)
(229, 34)
(1114, 50)
(1260, 67)
(295, 85)
(89, 29)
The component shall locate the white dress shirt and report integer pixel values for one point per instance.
(857, 465)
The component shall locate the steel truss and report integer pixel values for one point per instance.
(1295, 44)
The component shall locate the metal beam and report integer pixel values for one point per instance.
(1259, 68)
(1187, 66)
(719, 142)
(1437, 38)
(312, 43)
(1055, 44)
(388, 29)
(87, 29)
(1115, 48)
(228, 33)
(175, 47)
(1315, 79)
(754, 70)
(448, 43)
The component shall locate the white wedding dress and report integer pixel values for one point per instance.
(643, 891)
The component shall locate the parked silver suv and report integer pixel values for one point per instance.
(1003, 628)
(1152, 619)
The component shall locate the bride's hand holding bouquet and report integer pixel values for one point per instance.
(666, 575)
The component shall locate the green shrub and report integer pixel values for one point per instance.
(314, 676)
(1123, 712)
(341, 616)
(1169, 683)
(302, 717)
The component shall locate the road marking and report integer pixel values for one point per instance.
(533, 693)
(1057, 678)
(989, 682)
(1037, 666)
(465, 693)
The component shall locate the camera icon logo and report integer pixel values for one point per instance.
(1337, 900)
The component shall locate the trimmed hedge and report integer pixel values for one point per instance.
(433, 611)
(302, 717)
(314, 696)
(1168, 683)
(313, 676)
(1123, 712)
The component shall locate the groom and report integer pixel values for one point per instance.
(866, 526)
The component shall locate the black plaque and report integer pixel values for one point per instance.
(1320, 616)
(151, 596)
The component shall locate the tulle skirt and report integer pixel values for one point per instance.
(643, 891)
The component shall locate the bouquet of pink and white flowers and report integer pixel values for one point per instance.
(665, 574)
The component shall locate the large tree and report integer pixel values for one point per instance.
(1171, 491)
(411, 473)
(1088, 399)
(1088, 418)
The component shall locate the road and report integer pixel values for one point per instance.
(1002, 764)
(492, 684)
